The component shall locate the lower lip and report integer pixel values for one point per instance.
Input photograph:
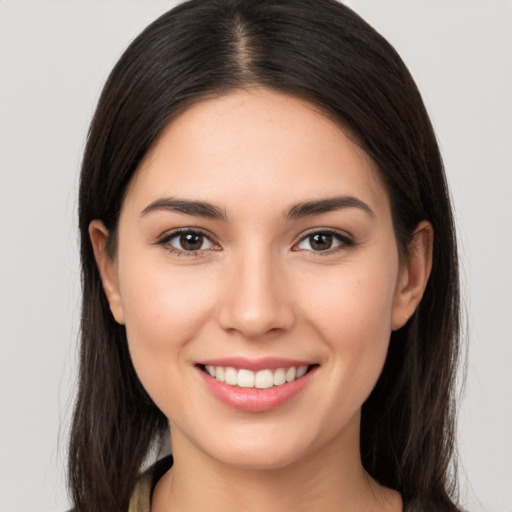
(253, 399)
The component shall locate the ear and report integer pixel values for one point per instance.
(414, 275)
(107, 268)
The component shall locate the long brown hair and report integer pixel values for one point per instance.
(322, 51)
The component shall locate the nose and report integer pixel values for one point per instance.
(255, 297)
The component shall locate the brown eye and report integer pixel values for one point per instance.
(187, 241)
(320, 241)
(191, 241)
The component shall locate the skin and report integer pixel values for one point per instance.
(258, 288)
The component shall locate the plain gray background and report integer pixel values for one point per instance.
(54, 58)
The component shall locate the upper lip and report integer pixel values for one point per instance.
(264, 363)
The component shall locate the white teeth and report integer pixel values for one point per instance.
(279, 377)
(301, 370)
(262, 379)
(219, 373)
(245, 379)
(230, 376)
(291, 373)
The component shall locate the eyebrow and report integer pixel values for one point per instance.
(303, 209)
(327, 205)
(197, 208)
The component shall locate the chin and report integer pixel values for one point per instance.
(260, 458)
(249, 447)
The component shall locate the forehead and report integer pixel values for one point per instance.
(256, 144)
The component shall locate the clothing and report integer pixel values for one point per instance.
(141, 497)
(143, 492)
(140, 500)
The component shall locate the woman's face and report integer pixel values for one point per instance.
(256, 242)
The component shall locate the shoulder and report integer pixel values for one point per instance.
(140, 500)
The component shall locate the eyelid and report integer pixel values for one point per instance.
(346, 240)
(164, 239)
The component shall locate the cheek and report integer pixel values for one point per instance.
(352, 315)
(354, 300)
(164, 310)
(163, 306)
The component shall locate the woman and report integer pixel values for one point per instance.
(269, 271)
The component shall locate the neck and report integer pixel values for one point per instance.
(329, 479)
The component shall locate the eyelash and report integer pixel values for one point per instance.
(165, 241)
(345, 241)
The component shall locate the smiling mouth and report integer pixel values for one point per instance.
(262, 379)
